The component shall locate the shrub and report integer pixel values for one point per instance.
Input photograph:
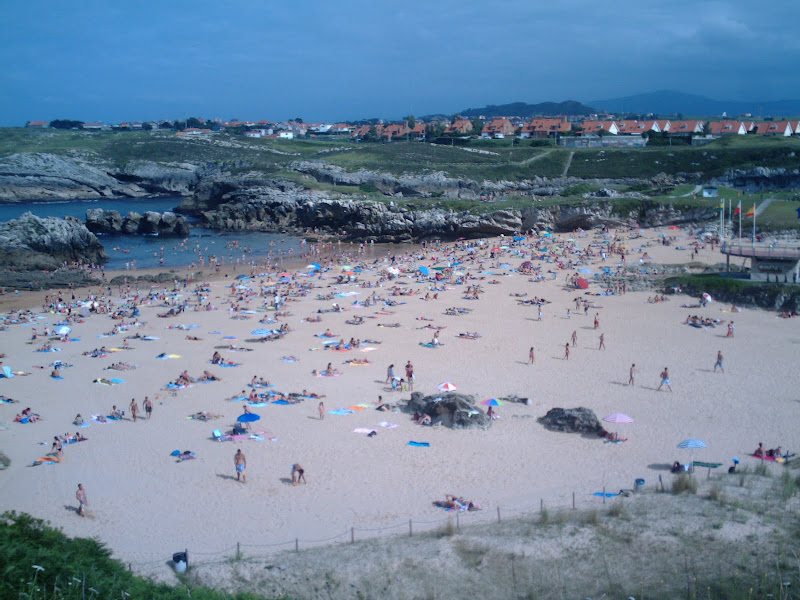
(576, 190)
(684, 483)
(4, 461)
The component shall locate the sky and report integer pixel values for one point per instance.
(328, 60)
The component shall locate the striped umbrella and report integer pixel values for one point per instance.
(692, 444)
(618, 418)
(446, 387)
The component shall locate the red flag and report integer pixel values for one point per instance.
(751, 212)
(738, 209)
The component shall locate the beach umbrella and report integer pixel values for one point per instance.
(673, 227)
(346, 267)
(424, 270)
(63, 330)
(582, 283)
(692, 444)
(261, 332)
(393, 270)
(242, 277)
(518, 238)
(707, 297)
(492, 402)
(314, 266)
(349, 273)
(526, 265)
(284, 274)
(446, 387)
(248, 418)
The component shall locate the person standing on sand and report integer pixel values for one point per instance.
(321, 409)
(664, 380)
(719, 362)
(240, 462)
(83, 502)
(575, 339)
(531, 356)
(410, 376)
(566, 351)
(298, 474)
(730, 329)
(148, 406)
(134, 409)
(540, 313)
(390, 373)
(596, 320)
(602, 342)
(632, 376)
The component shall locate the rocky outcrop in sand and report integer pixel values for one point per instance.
(111, 222)
(571, 420)
(457, 411)
(30, 243)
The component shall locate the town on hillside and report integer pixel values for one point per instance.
(575, 131)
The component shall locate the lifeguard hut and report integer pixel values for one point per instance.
(779, 264)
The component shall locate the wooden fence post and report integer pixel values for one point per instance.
(573, 500)
(498, 514)
(352, 535)
(409, 528)
(604, 494)
(296, 545)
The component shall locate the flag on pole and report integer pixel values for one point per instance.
(751, 212)
(738, 209)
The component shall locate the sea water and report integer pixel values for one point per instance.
(145, 251)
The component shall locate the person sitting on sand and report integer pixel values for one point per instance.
(116, 413)
(760, 452)
(78, 420)
(425, 420)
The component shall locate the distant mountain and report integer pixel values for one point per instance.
(521, 109)
(667, 102)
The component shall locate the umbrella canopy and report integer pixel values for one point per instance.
(526, 265)
(424, 270)
(446, 387)
(394, 270)
(692, 444)
(492, 402)
(582, 283)
(673, 227)
(248, 418)
(314, 266)
(618, 418)
(518, 238)
(708, 297)
(63, 330)
(242, 277)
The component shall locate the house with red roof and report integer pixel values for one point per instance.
(637, 127)
(497, 129)
(597, 126)
(459, 126)
(544, 128)
(779, 128)
(37, 124)
(727, 128)
(686, 127)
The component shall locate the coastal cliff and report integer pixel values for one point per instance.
(111, 222)
(33, 243)
(287, 207)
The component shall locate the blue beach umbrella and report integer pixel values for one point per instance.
(692, 444)
(314, 266)
(424, 270)
(248, 418)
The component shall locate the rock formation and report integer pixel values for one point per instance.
(457, 411)
(30, 243)
(571, 420)
(111, 222)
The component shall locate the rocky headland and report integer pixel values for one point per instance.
(34, 243)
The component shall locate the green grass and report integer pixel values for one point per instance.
(780, 214)
(39, 562)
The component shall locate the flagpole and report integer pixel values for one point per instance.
(740, 221)
(754, 225)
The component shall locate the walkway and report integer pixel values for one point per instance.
(569, 163)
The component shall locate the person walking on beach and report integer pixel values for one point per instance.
(596, 320)
(566, 351)
(602, 342)
(730, 329)
(410, 376)
(531, 356)
(134, 409)
(321, 409)
(390, 373)
(575, 339)
(664, 380)
(148, 406)
(240, 462)
(83, 502)
(58, 448)
(632, 376)
(719, 362)
(540, 313)
(298, 474)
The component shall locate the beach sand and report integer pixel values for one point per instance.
(146, 505)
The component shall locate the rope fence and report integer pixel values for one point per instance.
(453, 518)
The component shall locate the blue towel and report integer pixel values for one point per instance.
(54, 377)
(281, 402)
(420, 444)
(115, 380)
(226, 366)
(229, 337)
(608, 494)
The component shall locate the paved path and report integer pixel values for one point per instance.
(568, 165)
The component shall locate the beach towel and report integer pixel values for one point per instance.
(363, 430)
(281, 402)
(289, 359)
(607, 494)
(387, 425)
(56, 377)
(368, 349)
(322, 374)
(340, 411)
(46, 460)
(50, 350)
(355, 408)
(430, 344)
(7, 373)
(226, 365)
(419, 444)
(150, 338)
(770, 458)
(229, 337)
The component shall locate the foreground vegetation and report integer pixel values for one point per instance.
(38, 562)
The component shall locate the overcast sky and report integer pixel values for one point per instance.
(348, 59)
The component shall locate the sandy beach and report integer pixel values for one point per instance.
(146, 504)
